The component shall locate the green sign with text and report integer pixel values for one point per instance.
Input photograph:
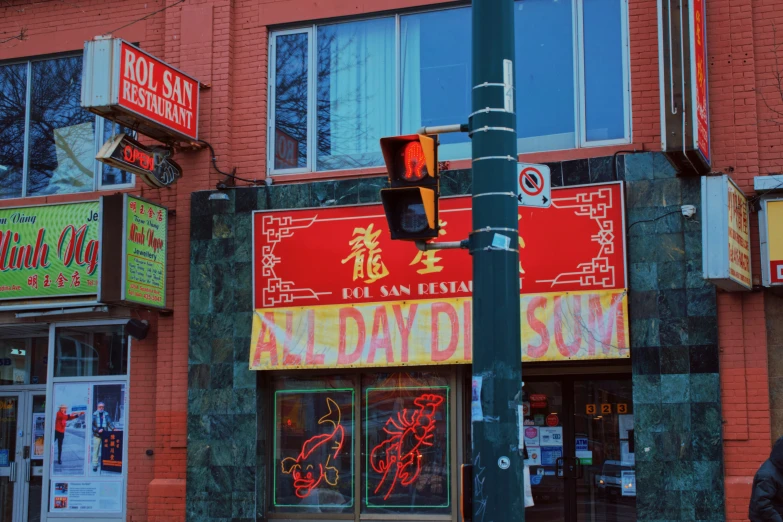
(145, 246)
(49, 251)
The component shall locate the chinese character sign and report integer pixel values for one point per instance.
(49, 251)
(145, 252)
(332, 289)
(701, 95)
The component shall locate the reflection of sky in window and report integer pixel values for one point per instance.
(544, 73)
(13, 93)
(605, 110)
(436, 75)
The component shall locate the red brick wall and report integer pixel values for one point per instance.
(224, 44)
(744, 98)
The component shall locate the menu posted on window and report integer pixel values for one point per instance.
(136, 235)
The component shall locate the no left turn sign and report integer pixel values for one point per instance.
(534, 185)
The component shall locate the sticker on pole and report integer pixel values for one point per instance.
(534, 185)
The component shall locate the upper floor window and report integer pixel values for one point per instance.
(336, 89)
(48, 142)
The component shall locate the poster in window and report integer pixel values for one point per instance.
(69, 448)
(407, 449)
(86, 414)
(39, 428)
(313, 450)
(107, 426)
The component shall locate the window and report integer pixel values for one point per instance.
(336, 89)
(88, 351)
(48, 142)
(396, 456)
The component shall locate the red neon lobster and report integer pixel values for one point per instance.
(399, 455)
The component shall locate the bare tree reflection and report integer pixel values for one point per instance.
(13, 94)
(291, 100)
(62, 134)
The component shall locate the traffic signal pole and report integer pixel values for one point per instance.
(498, 493)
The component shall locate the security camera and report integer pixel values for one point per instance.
(688, 211)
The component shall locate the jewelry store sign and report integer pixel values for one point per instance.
(91, 252)
(725, 234)
(135, 258)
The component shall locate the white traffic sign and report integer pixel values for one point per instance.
(534, 185)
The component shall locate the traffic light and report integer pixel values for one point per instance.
(411, 204)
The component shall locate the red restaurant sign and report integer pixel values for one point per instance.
(344, 255)
(127, 85)
(331, 289)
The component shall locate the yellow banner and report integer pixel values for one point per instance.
(555, 327)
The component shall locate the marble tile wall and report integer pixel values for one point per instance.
(673, 335)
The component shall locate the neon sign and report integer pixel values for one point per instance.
(313, 464)
(399, 457)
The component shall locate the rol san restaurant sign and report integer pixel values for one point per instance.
(49, 251)
(385, 303)
(130, 86)
(725, 234)
(771, 234)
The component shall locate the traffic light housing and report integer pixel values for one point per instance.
(411, 204)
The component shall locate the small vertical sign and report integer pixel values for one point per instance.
(701, 122)
(145, 246)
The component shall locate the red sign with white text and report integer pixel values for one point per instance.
(344, 255)
(700, 51)
(158, 92)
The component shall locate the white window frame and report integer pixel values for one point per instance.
(580, 117)
(579, 35)
(100, 122)
(51, 380)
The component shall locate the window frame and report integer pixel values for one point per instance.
(580, 118)
(581, 115)
(100, 123)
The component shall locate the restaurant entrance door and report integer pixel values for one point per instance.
(579, 438)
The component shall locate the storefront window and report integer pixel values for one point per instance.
(406, 443)
(403, 432)
(314, 446)
(91, 351)
(23, 360)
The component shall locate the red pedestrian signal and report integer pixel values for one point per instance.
(411, 204)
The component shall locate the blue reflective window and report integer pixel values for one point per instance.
(394, 75)
(604, 70)
(435, 50)
(356, 87)
(40, 103)
(544, 76)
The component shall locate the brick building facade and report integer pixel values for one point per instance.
(191, 390)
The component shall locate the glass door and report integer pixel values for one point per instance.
(10, 456)
(545, 416)
(33, 452)
(579, 439)
(603, 439)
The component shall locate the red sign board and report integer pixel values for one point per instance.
(344, 255)
(157, 91)
(700, 55)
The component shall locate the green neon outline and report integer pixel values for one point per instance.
(367, 445)
(274, 449)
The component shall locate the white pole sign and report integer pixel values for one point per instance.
(534, 185)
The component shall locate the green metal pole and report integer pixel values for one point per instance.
(498, 492)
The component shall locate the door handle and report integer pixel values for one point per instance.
(12, 477)
(27, 471)
(559, 468)
(580, 470)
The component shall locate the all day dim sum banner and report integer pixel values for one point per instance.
(332, 290)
